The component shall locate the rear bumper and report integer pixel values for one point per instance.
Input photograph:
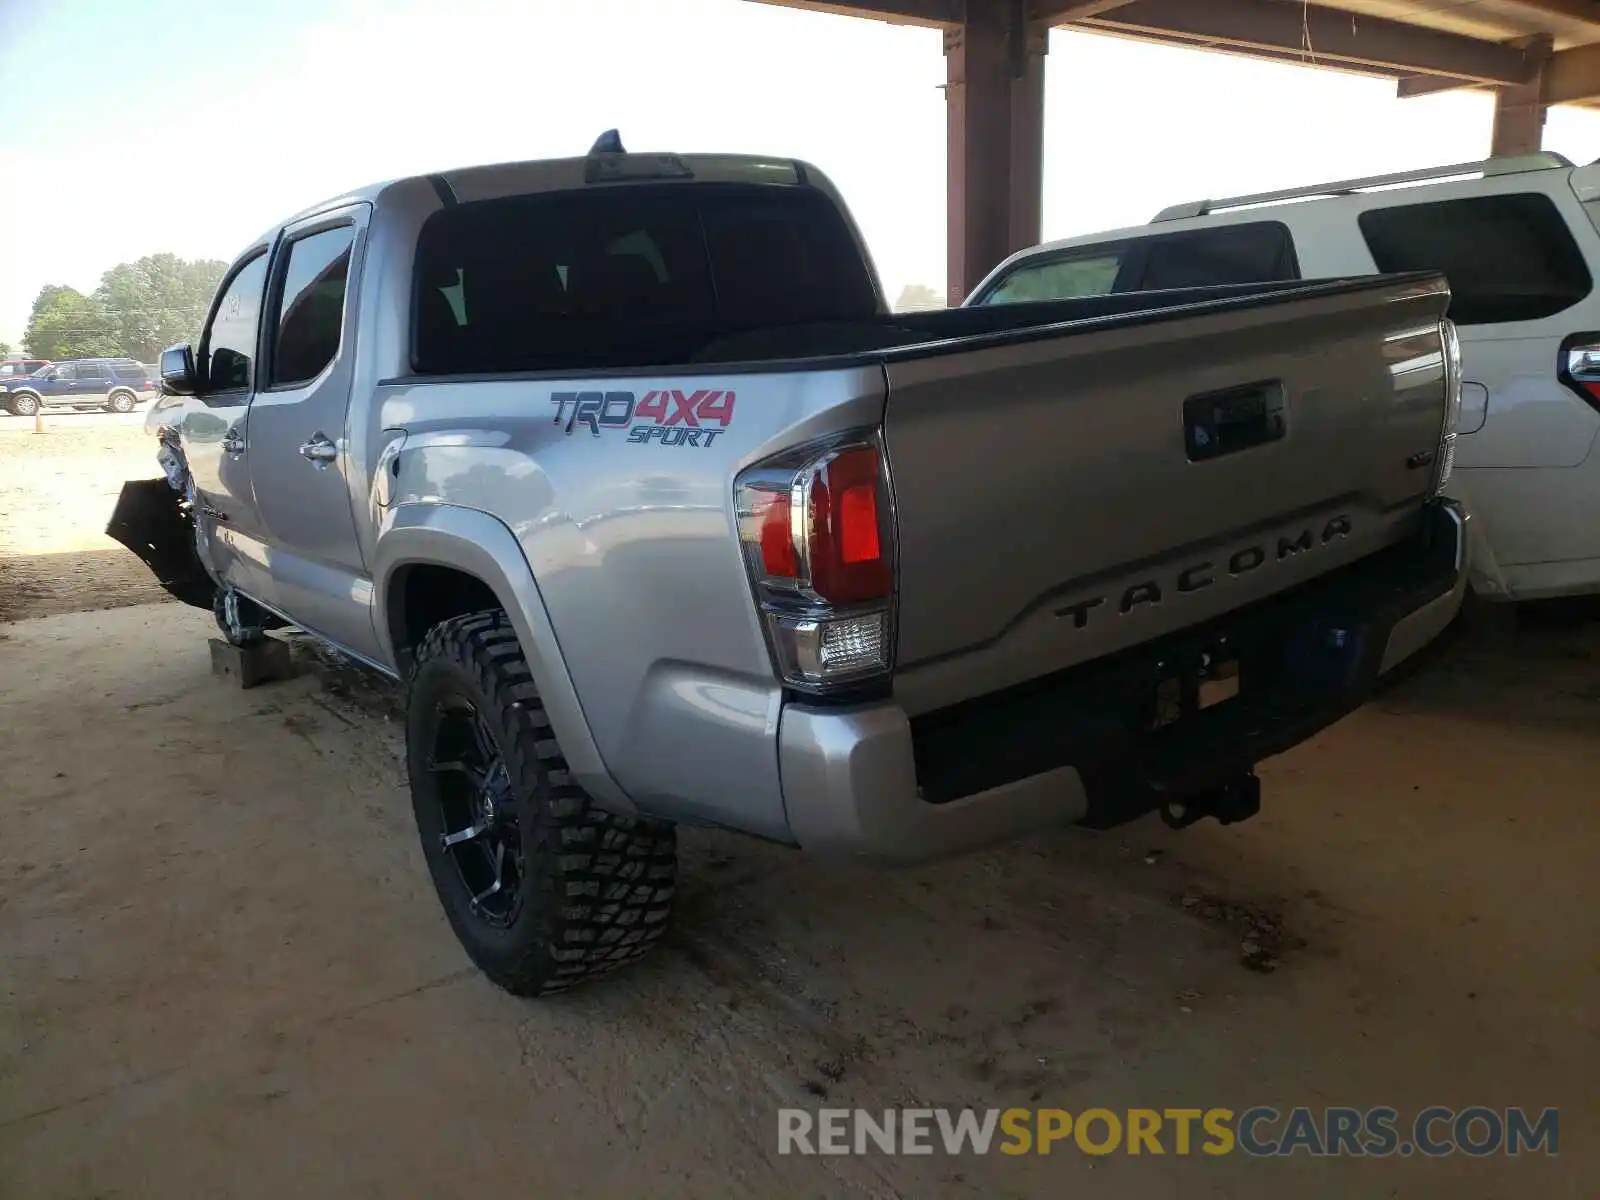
(868, 782)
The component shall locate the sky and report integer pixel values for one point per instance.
(210, 120)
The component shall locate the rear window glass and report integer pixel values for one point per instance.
(624, 277)
(1258, 252)
(1508, 258)
(1067, 278)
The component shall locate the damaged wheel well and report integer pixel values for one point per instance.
(422, 595)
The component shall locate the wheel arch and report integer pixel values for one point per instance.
(441, 544)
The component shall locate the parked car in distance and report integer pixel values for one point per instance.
(624, 470)
(112, 384)
(1519, 241)
(13, 369)
(14, 373)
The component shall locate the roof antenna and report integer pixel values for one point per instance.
(609, 142)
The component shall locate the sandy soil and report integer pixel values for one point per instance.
(223, 971)
(57, 490)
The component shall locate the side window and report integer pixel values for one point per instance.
(1090, 273)
(229, 344)
(1508, 258)
(1256, 253)
(311, 305)
(95, 372)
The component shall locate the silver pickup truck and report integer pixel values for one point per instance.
(622, 465)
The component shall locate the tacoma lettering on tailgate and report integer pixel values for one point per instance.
(1196, 576)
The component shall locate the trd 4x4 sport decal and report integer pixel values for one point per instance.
(668, 416)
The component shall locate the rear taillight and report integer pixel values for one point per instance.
(1578, 366)
(1451, 342)
(819, 546)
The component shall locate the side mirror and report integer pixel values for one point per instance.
(178, 375)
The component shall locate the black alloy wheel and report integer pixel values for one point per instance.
(478, 810)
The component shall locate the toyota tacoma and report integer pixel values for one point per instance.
(622, 466)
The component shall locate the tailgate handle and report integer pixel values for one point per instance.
(1234, 419)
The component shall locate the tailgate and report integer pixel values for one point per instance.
(1080, 489)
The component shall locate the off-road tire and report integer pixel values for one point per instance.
(121, 401)
(598, 886)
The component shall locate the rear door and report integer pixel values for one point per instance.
(1520, 287)
(299, 445)
(93, 382)
(1517, 250)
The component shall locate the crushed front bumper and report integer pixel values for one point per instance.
(149, 520)
(1079, 746)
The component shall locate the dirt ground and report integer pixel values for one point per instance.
(223, 971)
(57, 490)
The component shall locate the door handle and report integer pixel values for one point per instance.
(233, 442)
(319, 450)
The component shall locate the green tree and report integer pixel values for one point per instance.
(156, 301)
(67, 324)
(5, 349)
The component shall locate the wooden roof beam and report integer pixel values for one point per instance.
(1573, 76)
(1064, 12)
(936, 14)
(1316, 34)
(1570, 77)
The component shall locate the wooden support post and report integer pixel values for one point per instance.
(1519, 108)
(995, 121)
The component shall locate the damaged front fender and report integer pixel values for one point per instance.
(150, 520)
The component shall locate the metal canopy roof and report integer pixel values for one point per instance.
(1426, 45)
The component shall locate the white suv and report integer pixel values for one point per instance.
(1519, 239)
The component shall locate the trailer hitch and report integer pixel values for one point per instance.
(1237, 800)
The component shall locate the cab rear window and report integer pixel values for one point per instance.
(1508, 258)
(627, 277)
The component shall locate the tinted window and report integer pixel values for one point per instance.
(128, 373)
(311, 305)
(1091, 274)
(229, 345)
(634, 276)
(93, 371)
(1508, 258)
(1260, 252)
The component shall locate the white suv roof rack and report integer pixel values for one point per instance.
(1543, 161)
